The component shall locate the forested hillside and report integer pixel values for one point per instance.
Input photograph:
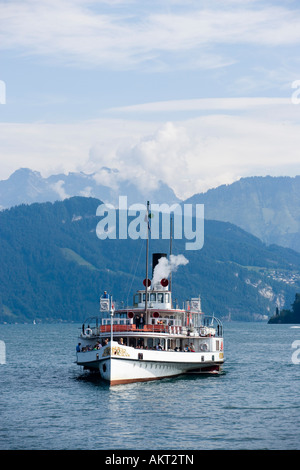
(54, 268)
(288, 315)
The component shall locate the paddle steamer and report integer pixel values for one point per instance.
(152, 339)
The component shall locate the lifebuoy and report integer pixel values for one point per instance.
(204, 347)
(88, 332)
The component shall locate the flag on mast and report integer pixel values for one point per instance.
(147, 220)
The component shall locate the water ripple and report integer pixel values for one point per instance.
(47, 402)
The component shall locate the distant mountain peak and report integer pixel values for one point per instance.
(266, 206)
(28, 186)
(23, 173)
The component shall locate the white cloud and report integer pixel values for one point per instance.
(58, 188)
(61, 148)
(124, 35)
(190, 156)
(212, 150)
(87, 192)
(256, 41)
(204, 104)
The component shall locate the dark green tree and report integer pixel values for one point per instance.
(296, 307)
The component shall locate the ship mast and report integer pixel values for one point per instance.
(171, 231)
(147, 256)
(111, 324)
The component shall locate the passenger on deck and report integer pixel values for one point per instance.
(78, 347)
(121, 341)
(192, 347)
(142, 321)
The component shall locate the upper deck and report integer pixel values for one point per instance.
(157, 298)
(162, 332)
(153, 322)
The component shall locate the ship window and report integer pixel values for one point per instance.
(144, 297)
(167, 298)
(160, 298)
(217, 345)
(120, 315)
(152, 297)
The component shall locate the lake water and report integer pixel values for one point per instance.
(48, 402)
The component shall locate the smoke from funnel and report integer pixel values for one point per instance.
(167, 266)
(155, 259)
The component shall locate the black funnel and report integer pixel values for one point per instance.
(155, 258)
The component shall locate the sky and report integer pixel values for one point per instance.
(193, 93)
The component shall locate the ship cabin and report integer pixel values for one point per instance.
(155, 324)
(153, 321)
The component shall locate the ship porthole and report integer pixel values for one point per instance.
(104, 367)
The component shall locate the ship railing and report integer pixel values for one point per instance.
(204, 348)
(212, 322)
(134, 328)
(202, 331)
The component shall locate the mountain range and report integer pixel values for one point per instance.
(267, 207)
(53, 267)
(26, 186)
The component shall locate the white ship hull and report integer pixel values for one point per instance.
(121, 364)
